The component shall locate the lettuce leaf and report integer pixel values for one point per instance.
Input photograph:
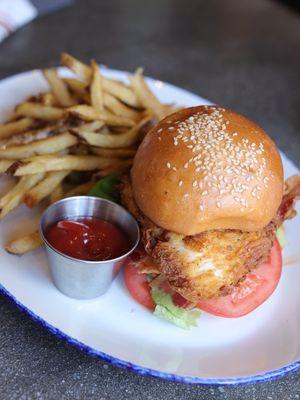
(166, 309)
(106, 188)
(281, 236)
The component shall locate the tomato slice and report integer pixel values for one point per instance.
(254, 290)
(137, 284)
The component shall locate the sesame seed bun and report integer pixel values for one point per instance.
(206, 168)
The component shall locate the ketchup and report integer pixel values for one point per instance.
(90, 239)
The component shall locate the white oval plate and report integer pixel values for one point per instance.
(257, 347)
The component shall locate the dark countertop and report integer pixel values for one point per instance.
(241, 54)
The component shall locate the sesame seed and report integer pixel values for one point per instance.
(218, 204)
(168, 165)
(216, 155)
(180, 183)
(201, 207)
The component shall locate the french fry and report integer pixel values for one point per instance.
(28, 136)
(44, 188)
(52, 144)
(113, 140)
(88, 113)
(39, 111)
(15, 127)
(24, 244)
(118, 108)
(110, 140)
(59, 88)
(79, 90)
(48, 99)
(96, 89)
(114, 153)
(121, 92)
(90, 127)
(82, 70)
(144, 94)
(76, 86)
(16, 195)
(117, 89)
(5, 165)
(56, 194)
(48, 163)
(80, 190)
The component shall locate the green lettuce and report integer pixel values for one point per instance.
(166, 309)
(281, 236)
(106, 188)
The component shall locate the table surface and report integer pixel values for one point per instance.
(241, 54)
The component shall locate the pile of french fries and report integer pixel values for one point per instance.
(58, 143)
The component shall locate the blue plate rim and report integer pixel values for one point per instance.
(267, 376)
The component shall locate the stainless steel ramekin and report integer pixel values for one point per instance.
(86, 279)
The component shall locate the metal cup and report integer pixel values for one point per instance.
(82, 279)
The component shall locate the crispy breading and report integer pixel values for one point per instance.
(146, 265)
(209, 264)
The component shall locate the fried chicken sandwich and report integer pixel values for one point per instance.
(207, 189)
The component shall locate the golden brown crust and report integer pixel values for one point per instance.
(227, 187)
(223, 259)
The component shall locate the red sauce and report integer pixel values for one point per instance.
(89, 239)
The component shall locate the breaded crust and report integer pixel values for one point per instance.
(210, 264)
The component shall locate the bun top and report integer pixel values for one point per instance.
(205, 168)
